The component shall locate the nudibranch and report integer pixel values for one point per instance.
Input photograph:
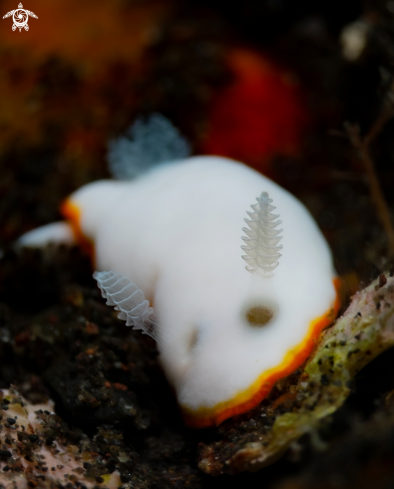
(225, 335)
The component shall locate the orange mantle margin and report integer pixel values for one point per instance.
(259, 390)
(73, 215)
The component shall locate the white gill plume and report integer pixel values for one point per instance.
(127, 298)
(261, 240)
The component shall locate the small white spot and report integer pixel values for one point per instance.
(354, 39)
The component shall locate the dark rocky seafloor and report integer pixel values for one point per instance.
(59, 341)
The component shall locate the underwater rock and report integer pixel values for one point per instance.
(298, 406)
(359, 459)
(37, 449)
(40, 450)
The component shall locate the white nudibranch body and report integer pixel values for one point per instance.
(224, 335)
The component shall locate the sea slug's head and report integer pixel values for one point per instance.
(224, 349)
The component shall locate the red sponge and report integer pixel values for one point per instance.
(261, 114)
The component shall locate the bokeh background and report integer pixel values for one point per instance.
(268, 82)
(263, 82)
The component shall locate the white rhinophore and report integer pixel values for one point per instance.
(262, 255)
(262, 238)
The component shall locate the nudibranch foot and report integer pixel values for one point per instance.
(55, 233)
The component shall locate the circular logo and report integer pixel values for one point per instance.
(20, 18)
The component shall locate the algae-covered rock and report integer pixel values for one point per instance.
(298, 405)
(106, 381)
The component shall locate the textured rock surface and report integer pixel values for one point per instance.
(364, 331)
(38, 448)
